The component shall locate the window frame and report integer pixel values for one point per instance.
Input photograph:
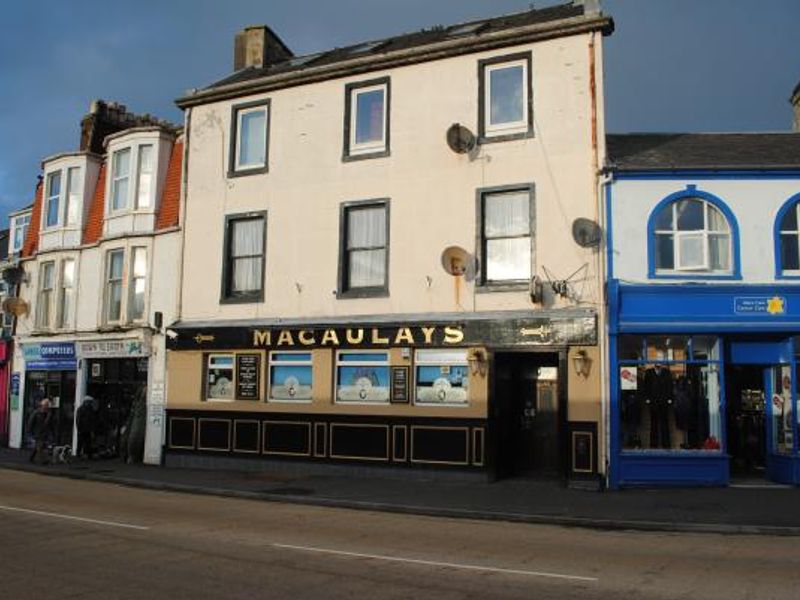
(152, 172)
(49, 198)
(66, 319)
(207, 356)
(343, 289)
(234, 170)
(351, 151)
(69, 199)
(273, 362)
(481, 281)
(337, 363)
(112, 210)
(448, 363)
(107, 281)
(792, 203)
(131, 280)
(226, 295)
(41, 290)
(17, 226)
(692, 193)
(487, 133)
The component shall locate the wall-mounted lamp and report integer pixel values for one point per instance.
(582, 363)
(478, 361)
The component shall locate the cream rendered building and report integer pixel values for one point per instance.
(365, 282)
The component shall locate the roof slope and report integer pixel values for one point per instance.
(31, 242)
(715, 151)
(170, 197)
(93, 228)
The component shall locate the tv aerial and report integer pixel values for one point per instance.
(586, 233)
(456, 261)
(560, 287)
(460, 139)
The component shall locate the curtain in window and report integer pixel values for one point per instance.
(507, 215)
(247, 245)
(366, 244)
(507, 234)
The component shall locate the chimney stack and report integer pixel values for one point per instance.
(795, 100)
(258, 46)
(105, 118)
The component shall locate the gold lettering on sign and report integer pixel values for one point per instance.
(428, 333)
(285, 338)
(404, 335)
(353, 339)
(376, 337)
(330, 337)
(262, 338)
(305, 337)
(200, 338)
(453, 335)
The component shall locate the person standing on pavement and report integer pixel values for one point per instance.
(86, 422)
(40, 424)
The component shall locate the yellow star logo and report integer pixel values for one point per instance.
(775, 306)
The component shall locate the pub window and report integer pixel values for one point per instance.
(442, 377)
(220, 377)
(243, 268)
(45, 299)
(362, 377)
(506, 245)
(290, 376)
(367, 119)
(669, 393)
(505, 97)
(249, 138)
(365, 249)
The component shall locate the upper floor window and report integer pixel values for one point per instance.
(364, 255)
(120, 179)
(788, 239)
(505, 97)
(44, 300)
(53, 199)
(243, 262)
(144, 178)
(249, 138)
(506, 244)
(74, 188)
(20, 226)
(115, 263)
(691, 235)
(138, 283)
(66, 294)
(367, 119)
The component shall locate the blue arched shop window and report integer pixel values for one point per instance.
(787, 240)
(692, 234)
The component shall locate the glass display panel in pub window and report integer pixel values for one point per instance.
(219, 377)
(442, 377)
(362, 377)
(290, 376)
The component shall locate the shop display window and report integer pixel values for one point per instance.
(669, 393)
(782, 430)
(442, 377)
(290, 376)
(362, 376)
(219, 377)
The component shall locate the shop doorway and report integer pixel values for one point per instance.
(527, 414)
(746, 420)
(59, 388)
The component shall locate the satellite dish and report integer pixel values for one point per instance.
(456, 260)
(460, 139)
(15, 306)
(13, 275)
(586, 233)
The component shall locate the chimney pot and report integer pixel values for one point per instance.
(258, 46)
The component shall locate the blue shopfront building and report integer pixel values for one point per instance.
(703, 264)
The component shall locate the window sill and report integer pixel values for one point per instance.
(347, 157)
(517, 286)
(362, 293)
(694, 275)
(442, 404)
(505, 137)
(252, 299)
(246, 172)
(282, 401)
(353, 403)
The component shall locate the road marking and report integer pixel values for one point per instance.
(434, 563)
(73, 518)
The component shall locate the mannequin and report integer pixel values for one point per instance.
(658, 396)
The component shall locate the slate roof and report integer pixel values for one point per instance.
(469, 30)
(715, 151)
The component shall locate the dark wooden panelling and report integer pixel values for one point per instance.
(444, 445)
(400, 441)
(181, 432)
(246, 436)
(359, 441)
(290, 438)
(214, 434)
(477, 446)
(320, 440)
(583, 448)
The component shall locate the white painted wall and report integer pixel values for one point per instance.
(754, 202)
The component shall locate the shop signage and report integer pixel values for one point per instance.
(50, 356)
(399, 389)
(628, 379)
(248, 367)
(759, 305)
(580, 330)
(112, 348)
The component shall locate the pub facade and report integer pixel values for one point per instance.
(380, 268)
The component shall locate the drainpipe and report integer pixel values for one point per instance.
(187, 124)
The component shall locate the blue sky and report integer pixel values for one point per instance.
(671, 65)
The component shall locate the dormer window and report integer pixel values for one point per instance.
(53, 201)
(20, 227)
(74, 189)
(120, 177)
(144, 178)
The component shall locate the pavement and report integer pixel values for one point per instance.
(751, 509)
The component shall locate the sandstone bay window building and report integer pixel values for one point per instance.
(99, 259)
(357, 290)
(704, 308)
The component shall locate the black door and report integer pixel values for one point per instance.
(525, 414)
(745, 425)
